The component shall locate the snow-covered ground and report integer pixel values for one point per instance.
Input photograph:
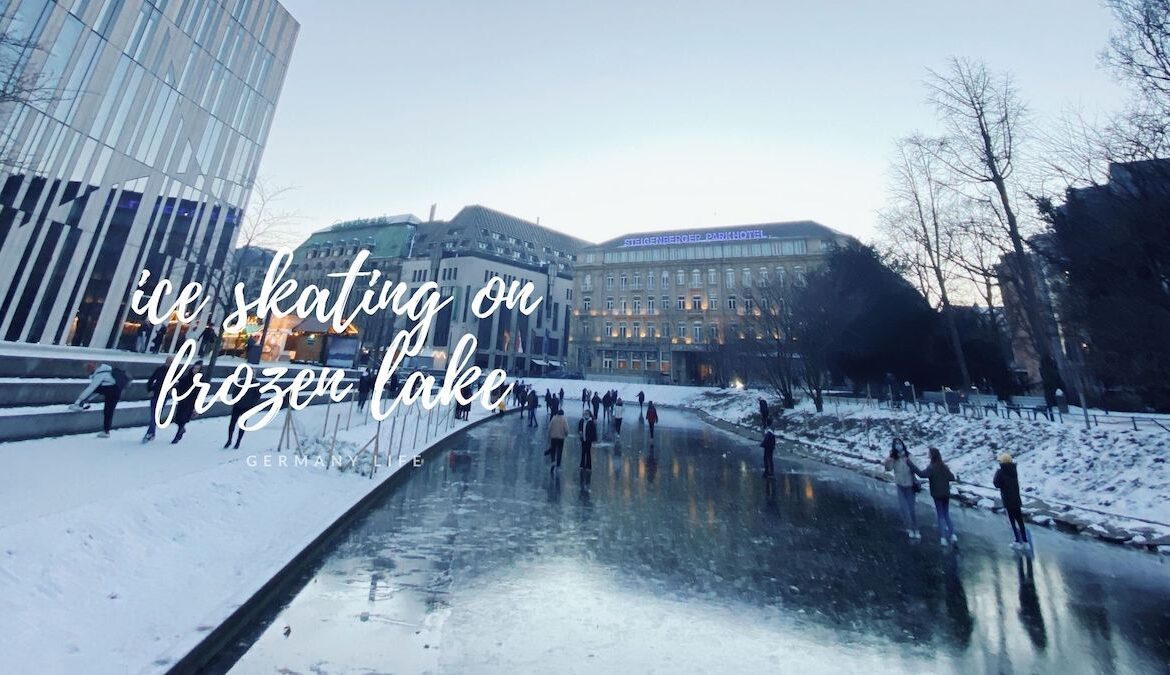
(1111, 480)
(119, 557)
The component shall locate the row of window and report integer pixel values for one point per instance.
(627, 281)
(709, 251)
(633, 361)
(622, 330)
(696, 305)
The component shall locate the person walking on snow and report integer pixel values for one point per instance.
(365, 386)
(899, 463)
(940, 478)
(641, 398)
(596, 404)
(587, 432)
(143, 338)
(154, 387)
(558, 431)
(533, 404)
(250, 399)
(1008, 482)
(103, 382)
(185, 408)
(769, 446)
(651, 417)
(764, 413)
(207, 342)
(584, 398)
(618, 409)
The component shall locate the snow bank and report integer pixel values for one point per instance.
(119, 557)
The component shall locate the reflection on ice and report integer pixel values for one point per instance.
(679, 557)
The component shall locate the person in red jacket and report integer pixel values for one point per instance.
(651, 417)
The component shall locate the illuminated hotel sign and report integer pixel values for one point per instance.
(704, 238)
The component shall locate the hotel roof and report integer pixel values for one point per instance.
(794, 229)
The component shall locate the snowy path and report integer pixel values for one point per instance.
(118, 557)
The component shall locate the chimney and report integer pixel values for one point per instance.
(432, 218)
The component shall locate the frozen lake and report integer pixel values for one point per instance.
(682, 558)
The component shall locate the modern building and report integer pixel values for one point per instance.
(652, 306)
(477, 244)
(134, 146)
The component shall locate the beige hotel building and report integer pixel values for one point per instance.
(650, 307)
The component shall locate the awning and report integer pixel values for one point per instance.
(538, 362)
(554, 363)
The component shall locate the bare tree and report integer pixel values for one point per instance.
(983, 117)
(770, 348)
(1139, 51)
(922, 219)
(264, 225)
(21, 85)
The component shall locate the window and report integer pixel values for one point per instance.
(637, 281)
(780, 274)
(637, 305)
(732, 331)
(650, 281)
(712, 278)
(622, 333)
(624, 307)
(608, 329)
(696, 279)
(712, 302)
(681, 278)
(747, 278)
(697, 332)
(798, 272)
(637, 329)
(681, 303)
(731, 302)
(696, 303)
(682, 329)
(587, 329)
(665, 302)
(621, 360)
(666, 330)
(609, 281)
(607, 361)
(747, 305)
(586, 303)
(650, 330)
(624, 282)
(635, 361)
(729, 278)
(609, 303)
(713, 333)
(763, 276)
(587, 282)
(650, 304)
(665, 279)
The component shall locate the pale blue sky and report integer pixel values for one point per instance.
(607, 117)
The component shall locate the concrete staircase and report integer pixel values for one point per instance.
(38, 382)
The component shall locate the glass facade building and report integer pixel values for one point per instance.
(133, 144)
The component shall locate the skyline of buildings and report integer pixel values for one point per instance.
(136, 149)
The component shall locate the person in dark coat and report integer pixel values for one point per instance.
(207, 341)
(641, 398)
(249, 400)
(587, 432)
(143, 337)
(1008, 482)
(596, 404)
(769, 446)
(764, 421)
(156, 343)
(185, 408)
(154, 387)
(533, 404)
(651, 417)
(939, 475)
(365, 386)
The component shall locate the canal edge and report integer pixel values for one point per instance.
(1045, 516)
